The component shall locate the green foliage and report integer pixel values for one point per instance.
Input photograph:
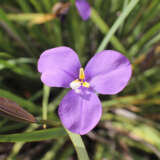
(129, 128)
(33, 136)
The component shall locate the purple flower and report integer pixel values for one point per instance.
(108, 72)
(83, 9)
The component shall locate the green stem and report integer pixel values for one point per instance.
(124, 6)
(78, 145)
(116, 25)
(103, 27)
(46, 92)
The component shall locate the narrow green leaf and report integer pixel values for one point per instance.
(10, 28)
(19, 66)
(24, 6)
(78, 145)
(51, 154)
(17, 146)
(116, 25)
(37, 5)
(147, 36)
(46, 92)
(5, 55)
(104, 28)
(152, 41)
(40, 135)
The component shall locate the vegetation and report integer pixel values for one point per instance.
(129, 128)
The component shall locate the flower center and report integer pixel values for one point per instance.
(79, 82)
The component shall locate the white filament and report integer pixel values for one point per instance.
(75, 86)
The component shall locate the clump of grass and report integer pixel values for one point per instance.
(129, 128)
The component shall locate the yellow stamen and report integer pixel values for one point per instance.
(77, 83)
(86, 84)
(81, 74)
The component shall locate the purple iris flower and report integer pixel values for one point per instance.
(108, 72)
(83, 9)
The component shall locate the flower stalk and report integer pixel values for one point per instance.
(46, 92)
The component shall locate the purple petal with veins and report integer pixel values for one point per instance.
(59, 66)
(78, 114)
(108, 72)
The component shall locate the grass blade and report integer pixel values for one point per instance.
(46, 92)
(78, 145)
(40, 135)
(103, 27)
(117, 23)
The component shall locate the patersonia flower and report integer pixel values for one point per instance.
(83, 9)
(107, 72)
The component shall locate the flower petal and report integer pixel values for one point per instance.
(83, 9)
(59, 66)
(108, 72)
(78, 114)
